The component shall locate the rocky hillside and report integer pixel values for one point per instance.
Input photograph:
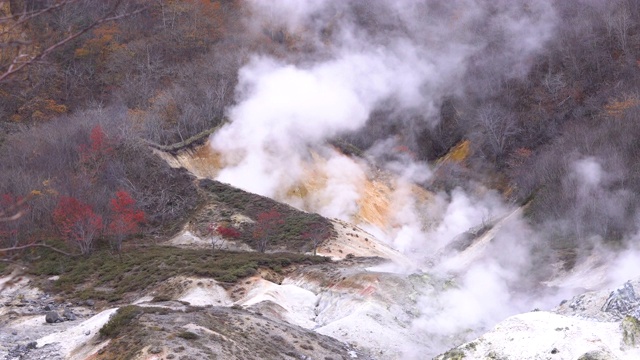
(323, 179)
(205, 294)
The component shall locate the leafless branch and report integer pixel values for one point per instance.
(20, 63)
(37, 245)
(15, 211)
(26, 16)
(12, 43)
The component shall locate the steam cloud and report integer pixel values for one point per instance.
(403, 56)
(408, 54)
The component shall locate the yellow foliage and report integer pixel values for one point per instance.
(199, 21)
(38, 115)
(48, 189)
(458, 153)
(618, 107)
(5, 8)
(82, 52)
(461, 151)
(10, 31)
(40, 110)
(107, 31)
(51, 106)
(102, 44)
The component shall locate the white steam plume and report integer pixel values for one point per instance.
(410, 54)
(284, 108)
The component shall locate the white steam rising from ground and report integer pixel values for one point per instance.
(411, 54)
(287, 111)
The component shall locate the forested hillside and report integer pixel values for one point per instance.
(555, 128)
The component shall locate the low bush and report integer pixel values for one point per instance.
(90, 277)
(120, 320)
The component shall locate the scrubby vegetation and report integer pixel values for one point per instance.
(288, 228)
(165, 71)
(103, 276)
(71, 170)
(120, 320)
(125, 331)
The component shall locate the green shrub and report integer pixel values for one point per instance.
(188, 335)
(81, 276)
(120, 320)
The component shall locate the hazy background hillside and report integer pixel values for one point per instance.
(542, 97)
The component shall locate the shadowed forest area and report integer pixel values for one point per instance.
(559, 134)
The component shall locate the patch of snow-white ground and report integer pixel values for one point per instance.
(542, 335)
(144, 299)
(366, 324)
(588, 323)
(75, 339)
(187, 239)
(298, 303)
(205, 292)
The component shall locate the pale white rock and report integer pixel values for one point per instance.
(298, 304)
(354, 240)
(73, 342)
(205, 292)
(546, 335)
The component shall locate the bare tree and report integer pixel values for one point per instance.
(267, 225)
(618, 24)
(18, 52)
(497, 128)
(316, 233)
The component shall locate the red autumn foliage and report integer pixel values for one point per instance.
(77, 223)
(99, 144)
(93, 155)
(125, 217)
(266, 226)
(228, 232)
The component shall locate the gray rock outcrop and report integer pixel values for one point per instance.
(53, 317)
(623, 302)
(68, 315)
